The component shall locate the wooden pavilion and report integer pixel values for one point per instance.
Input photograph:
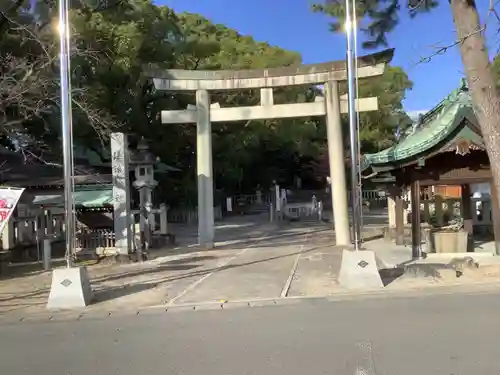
(445, 147)
(41, 208)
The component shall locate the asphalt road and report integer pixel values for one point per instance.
(451, 334)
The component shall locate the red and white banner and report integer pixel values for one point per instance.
(9, 197)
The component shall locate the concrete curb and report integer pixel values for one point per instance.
(84, 314)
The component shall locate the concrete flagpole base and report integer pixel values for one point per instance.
(359, 271)
(70, 289)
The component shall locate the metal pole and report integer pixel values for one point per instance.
(353, 128)
(358, 165)
(66, 125)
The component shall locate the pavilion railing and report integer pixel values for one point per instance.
(30, 230)
(370, 198)
(95, 241)
(190, 215)
(443, 210)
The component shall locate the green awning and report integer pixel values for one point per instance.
(88, 198)
(165, 168)
(48, 200)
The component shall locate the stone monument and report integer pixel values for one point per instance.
(121, 193)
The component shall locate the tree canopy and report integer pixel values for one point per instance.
(109, 48)
(381, 17)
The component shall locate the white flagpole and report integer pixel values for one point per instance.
(353, 127)
(66, 126)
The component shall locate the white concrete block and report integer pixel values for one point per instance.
(359, 271)
(70, 288)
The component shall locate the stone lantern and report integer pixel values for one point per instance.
(145, 182)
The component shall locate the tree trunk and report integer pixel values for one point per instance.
(480, 79)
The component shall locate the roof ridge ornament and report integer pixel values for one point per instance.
(463, 84)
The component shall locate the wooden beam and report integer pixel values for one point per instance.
(263, 112)
(466, 212)
(416, 250)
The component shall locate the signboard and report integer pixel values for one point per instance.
(9, 197)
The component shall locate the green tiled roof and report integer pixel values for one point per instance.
(89, 198)
(433, 129)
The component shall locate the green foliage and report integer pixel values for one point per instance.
(381, 16)
(109, 49)
(377, 128)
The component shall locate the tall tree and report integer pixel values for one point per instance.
(383, 17)
(29, 80)
(109, 49)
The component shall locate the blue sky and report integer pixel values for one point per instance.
(290, 24)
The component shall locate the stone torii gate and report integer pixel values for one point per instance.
(329, 74)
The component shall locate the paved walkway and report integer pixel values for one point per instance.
(253, 260)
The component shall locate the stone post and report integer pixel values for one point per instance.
(50, 223)
(163, 218)
(391, 210)
(47, 253)
(278, 199)
(259, 196)
(400, 221)
(8, 235)
(337, 166)
(229, 204)
(21, 230)
(121, 193)
(206, 232)
(266, 96)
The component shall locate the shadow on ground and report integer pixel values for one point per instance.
(111, 293)
(195, 273)
(389, 275)
(269, 240)
(419, 270)
(11, 271)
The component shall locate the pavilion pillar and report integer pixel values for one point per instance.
(121, 193)
(416, 249)
(495, 215)
(466, 213)
(337, 164)
(206, 232)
